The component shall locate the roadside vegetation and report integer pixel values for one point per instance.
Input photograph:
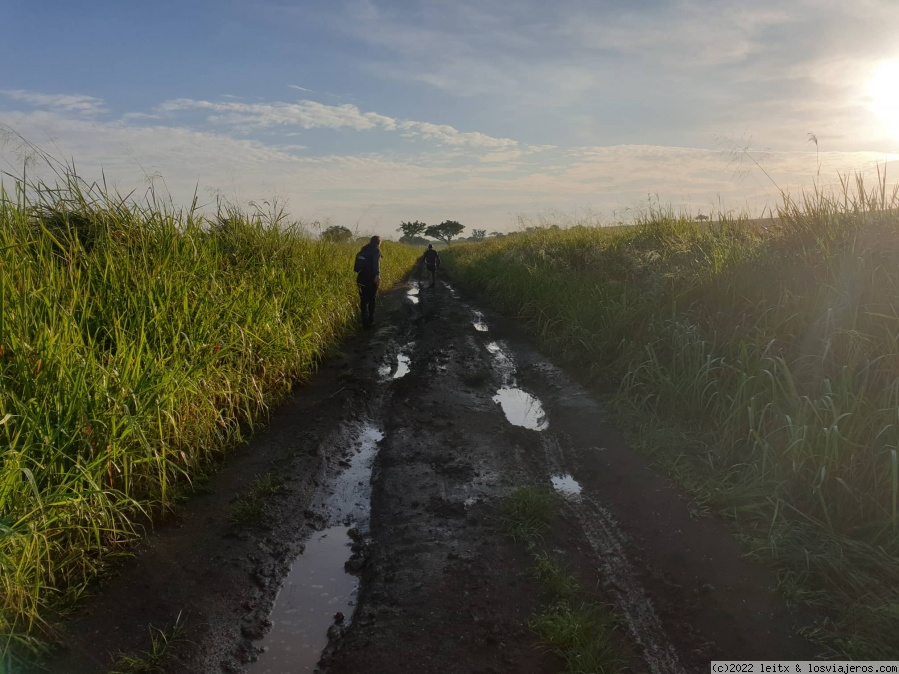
(152, 661)
(137, 343)
(573, 625)
(249, 508)
(758, 362)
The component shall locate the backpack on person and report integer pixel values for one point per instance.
(363, 263)
(368, 260)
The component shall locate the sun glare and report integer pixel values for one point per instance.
(884, 95)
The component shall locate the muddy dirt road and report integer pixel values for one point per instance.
(361, 531)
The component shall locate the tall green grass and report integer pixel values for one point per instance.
(137, 342)
(768, 357)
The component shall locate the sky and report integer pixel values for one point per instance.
(497, 114)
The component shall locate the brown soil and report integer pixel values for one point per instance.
(443, 589)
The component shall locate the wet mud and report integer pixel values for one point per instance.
(384, 548)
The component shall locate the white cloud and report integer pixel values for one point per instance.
(136, 116)
(305, 114)
(78, 103)
(253, 151)
(429, 186)
(447, 135)
(314, 115)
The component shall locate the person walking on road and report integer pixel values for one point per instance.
(432, 261)
(368, 278)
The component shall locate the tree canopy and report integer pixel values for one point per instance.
(337, 234)
(411, 230)
(445, 231)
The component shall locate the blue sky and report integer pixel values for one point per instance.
(366, 113)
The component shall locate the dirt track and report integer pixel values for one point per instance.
(442, 588)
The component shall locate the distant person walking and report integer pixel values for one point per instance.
(432, 261)
(368, 278)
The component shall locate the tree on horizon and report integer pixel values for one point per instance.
(411, 230)
(337, 234)
(445, 231)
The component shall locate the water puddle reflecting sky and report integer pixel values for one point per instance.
(349, 498)
(396, 370)
(412, 294)
(317, 586)
(566, 485)
(521, 408)
(502, 362)
(315, 590)
(402, 365)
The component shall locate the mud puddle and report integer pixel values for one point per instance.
(520, 407)
(566, 485)
(316, 590)
(396, 365)
(412, 293)
(502, 362)
(319, 593)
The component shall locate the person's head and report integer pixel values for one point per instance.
(376, 240)
(430, 246)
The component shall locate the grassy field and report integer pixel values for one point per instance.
(760, 365)
(137, 343)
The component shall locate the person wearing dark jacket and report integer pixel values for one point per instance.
(432, 261)
(368, 278)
